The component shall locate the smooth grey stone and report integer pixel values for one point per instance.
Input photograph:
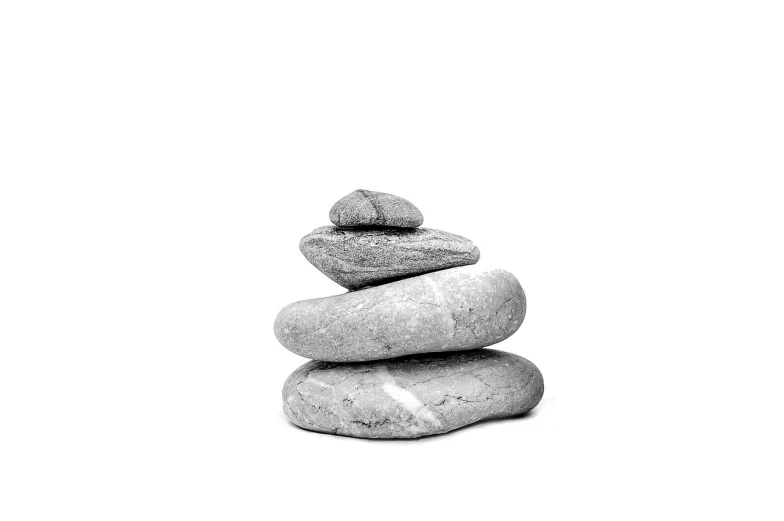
(450, 310)
(412, 396)
(368, 208)
(355, 258)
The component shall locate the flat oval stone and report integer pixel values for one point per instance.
(368, 208)
(355, 258)
(412, 396)
(450, 310)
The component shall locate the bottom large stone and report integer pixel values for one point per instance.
(411, 396)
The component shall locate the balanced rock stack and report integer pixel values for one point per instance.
(399, 356)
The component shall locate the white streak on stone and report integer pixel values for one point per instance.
(406, 398)
(318, 382)
(442, 305)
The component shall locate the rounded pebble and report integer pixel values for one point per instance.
(450, 310)
(413, 396)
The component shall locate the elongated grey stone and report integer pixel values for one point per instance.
(355, 258)
(412, 396)
(449, 310)
(368, 208)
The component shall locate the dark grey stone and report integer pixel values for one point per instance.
(412, 396)
(450, 310)
(355, 258)
(368, 208)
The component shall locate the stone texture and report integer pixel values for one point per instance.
(368, 208)
(449, 310)
(355, 258)
(412, 396)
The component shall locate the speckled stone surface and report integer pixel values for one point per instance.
(450, 310)
(355, 258)
(368, 208)
(412, 396)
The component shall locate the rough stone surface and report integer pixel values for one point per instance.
(412, 396)
(355, 258)
(368, 208)
(450, 310)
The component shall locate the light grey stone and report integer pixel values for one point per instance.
(368, 208)
(450, 310)
(412, 396)
(355, 258)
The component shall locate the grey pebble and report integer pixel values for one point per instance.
(412, 396)
(450, 310)
(368, 208)
(355, 258)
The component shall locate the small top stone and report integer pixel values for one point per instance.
(368, 208)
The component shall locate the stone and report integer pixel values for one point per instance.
(355, 258)
(368, 208)
(412, 396)
(450, 310)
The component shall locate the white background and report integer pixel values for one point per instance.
(160, 161)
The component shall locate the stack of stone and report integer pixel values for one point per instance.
(398, 355)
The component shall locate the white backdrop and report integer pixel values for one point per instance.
(159, 162)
